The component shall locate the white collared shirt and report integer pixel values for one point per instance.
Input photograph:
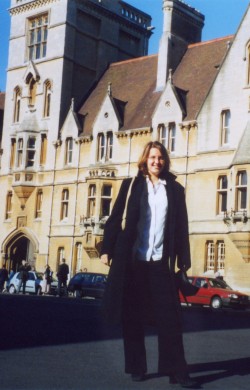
(150, 229)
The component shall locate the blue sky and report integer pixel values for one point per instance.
(222, 17)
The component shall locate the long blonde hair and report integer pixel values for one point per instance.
(142, 163)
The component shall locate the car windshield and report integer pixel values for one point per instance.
(219, 284)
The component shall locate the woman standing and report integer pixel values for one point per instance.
(141, 278)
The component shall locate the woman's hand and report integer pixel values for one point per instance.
(105, 260)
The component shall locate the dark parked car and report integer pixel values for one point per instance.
(216, 293)
(87, 284)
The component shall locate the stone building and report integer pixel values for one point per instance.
(57, 51)
(193, 96)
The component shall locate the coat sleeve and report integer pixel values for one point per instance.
(113, 223)
(183, 246)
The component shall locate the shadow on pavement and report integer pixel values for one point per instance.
(227, 368)
(29, 321)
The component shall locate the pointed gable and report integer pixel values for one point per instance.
(71, 126)
(171, 105)
(31, 70)
(242, 155)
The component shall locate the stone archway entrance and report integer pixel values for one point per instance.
(19, 247)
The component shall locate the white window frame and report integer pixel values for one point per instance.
(37, 37)
(241, 191)
(222, 192)
(225, 127)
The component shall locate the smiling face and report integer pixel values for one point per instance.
(155, 163)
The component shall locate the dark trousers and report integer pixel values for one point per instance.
(62, 287)
(150, 296)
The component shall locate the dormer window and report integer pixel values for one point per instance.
(167, 136)
(105, 146)
(69, 151)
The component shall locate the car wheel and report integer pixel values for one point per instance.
(12, 289)
(216, 303)
(77, 294)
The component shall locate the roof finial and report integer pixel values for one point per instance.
(109, 89)
(72, 106)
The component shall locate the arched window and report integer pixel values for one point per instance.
(47, 98)
(65, 204)
(241, 191)
(17, 104)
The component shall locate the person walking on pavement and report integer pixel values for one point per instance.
(62, 276)
(144, 237)
(24, 275)
(47, 279)
(3, 277)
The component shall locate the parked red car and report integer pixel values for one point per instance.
(216, 293)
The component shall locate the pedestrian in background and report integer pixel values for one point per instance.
(48, 275)
(24, 275)
(62, 276)
(3, 277)
(142, 248)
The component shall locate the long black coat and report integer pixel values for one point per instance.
(118, 243)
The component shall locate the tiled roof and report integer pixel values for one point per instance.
(2, 100)
(197, 72)
(134, 81)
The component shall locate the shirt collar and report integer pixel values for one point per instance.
(160, 181)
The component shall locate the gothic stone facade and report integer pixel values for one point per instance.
(194, 99)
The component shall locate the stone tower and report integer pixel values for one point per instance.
(57, 50)
(182, 25)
